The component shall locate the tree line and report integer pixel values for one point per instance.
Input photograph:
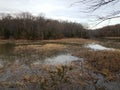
(107, 31)
(27, 26)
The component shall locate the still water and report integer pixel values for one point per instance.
(96, 47)
(63, 59)
(8, 56)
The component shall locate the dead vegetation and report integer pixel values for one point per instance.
(38, 48)
(104, 62)
(58, 77)
(52, 78)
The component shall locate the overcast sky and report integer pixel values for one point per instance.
(55, 9)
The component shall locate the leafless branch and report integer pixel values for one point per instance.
(93, 5)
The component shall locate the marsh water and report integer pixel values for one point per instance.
(7, 55)
(63, 59)
(97, 47)
(20, 62)
(14, 65)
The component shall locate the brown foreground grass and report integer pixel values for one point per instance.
(59, 77)
(104, 62)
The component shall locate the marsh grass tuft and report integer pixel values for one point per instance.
(104, 62)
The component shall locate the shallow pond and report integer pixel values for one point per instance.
(59, 59)
(97, 47)
(34, 55)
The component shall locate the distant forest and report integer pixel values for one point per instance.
(107, 31)
(27, 26)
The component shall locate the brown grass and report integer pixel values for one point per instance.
(71, 41)
(51, 78)
(66, 40)
(105, 62)
(39, 49)
(112, 37)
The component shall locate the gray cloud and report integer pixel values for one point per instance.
(55, 9)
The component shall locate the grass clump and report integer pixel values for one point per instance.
(104, 62)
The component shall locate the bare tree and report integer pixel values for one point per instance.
(93, 5)
(26, 26)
